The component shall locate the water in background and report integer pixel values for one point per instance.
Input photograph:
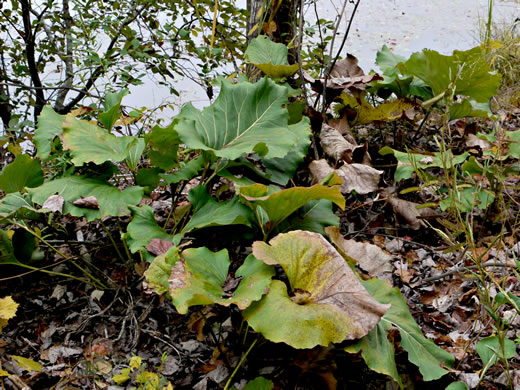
(405, 26)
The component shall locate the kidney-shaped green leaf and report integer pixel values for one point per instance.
(201, 278)
(208, 212)
(327, 304)
(88, 142)
(269, 57)
(111, 200)
(22, 172)
(143, 229)
(468, 70)
(245, 117)
(164, 144)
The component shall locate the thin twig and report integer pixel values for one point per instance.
(489, 263)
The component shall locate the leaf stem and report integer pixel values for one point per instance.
(228, 383)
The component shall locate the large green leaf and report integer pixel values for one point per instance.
(22, 172)
(280, 205)
(327, 304)
(143, 229)
(112, 106)
(421, 351)
(112, 201)
(245, 117)
(208, 212)
(269, 57)
(164, 144)
(88, 142)
(200, 277)
(49, 125)
(467, 69)
(160, 269)
(281, 170)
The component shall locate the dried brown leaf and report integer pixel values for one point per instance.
(89, 202)
(54, 203)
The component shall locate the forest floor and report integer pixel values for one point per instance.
(82, 336)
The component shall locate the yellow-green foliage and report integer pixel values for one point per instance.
(7, 310)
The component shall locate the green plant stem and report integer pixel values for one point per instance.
(119, 254)
(99, 283)
(59, 274)
(125, 246)
(228, 383)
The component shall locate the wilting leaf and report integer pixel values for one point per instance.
(158, 247)
(421, 351)
(280, 205)
(7, 309)
(467, 69)
(208, 212)
(346, 75)
(269, 57)
(49, 126)
(22, 172)
(355, 177)
(112, 111)
(143, 228)
(245, 118)
(27, 364)
(199, 279)
(335, 146)
(490, 351)
(160, 269)
(327, 304)
(164, 144)
(370, 258)
(112, 201)
(408, 211)
(90, 143)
